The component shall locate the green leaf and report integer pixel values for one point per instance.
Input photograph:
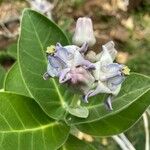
(118, 122)
(23, 125)
(37, 32)
(14, 82)
(74, 143)
(2, 75)
(135, 92)
(12, 50)
(133, 88)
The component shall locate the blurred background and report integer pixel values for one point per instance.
(126, 22)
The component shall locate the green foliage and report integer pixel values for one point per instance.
(2, 75)
(12, 51)
(74, 143)
(119, 122)
(25, 126)
(125, 104)
(35, 36)
(48, 106)
(14, 81)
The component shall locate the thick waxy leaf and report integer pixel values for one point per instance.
(74, 143)
(2, 75)
(14, 81)
(12, 50)
(133, 88)
(37, 32)
(23, 125)
(119, 122)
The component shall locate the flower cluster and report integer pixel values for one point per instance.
(92, 73)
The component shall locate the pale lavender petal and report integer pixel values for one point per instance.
(105, 57)
(66, 53)
(88, 65)
(105, 77)
(85, 97)
(61, 53)
(115, 81)
(101, 88)
(62, 75)
(80, 61)
(83, 48)
(110, 48)
(52, 71)
(58, 45)
(114, 67)
(55, 65)
(66, 78)
(108, 102)
(117, 90)
(72, 48)
(55, 61)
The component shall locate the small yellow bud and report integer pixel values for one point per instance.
(50, 50)
(126, 70)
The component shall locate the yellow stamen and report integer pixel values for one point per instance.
(50, 49)
(126, 70)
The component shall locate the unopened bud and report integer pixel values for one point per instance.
(84, 32)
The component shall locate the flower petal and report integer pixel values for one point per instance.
(108, 102)
(83, 48)
(105, 56)
(116, 92)
(80, 61)
(111, 68)
(110, 48)
(63, 77)
(116, 80)
(55, 65)
(101, 88)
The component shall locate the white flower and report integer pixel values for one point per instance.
(63, 62)
(109, 75)
(91, 74)
(84, 32)
(42, 6)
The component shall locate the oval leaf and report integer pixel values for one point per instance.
(119, 122)
(37, 32)
(133, 88)
(23, 125)
(14, 81)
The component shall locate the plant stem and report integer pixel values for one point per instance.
(127, 142)
(120, 142)
(147, 139)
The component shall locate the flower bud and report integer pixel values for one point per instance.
(42, 6)
(84, 32)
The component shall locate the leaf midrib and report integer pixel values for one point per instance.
(107, 115)
(134, 91)
(31, 129)
(55, 85)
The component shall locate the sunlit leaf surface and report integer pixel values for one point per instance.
(24, 126)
